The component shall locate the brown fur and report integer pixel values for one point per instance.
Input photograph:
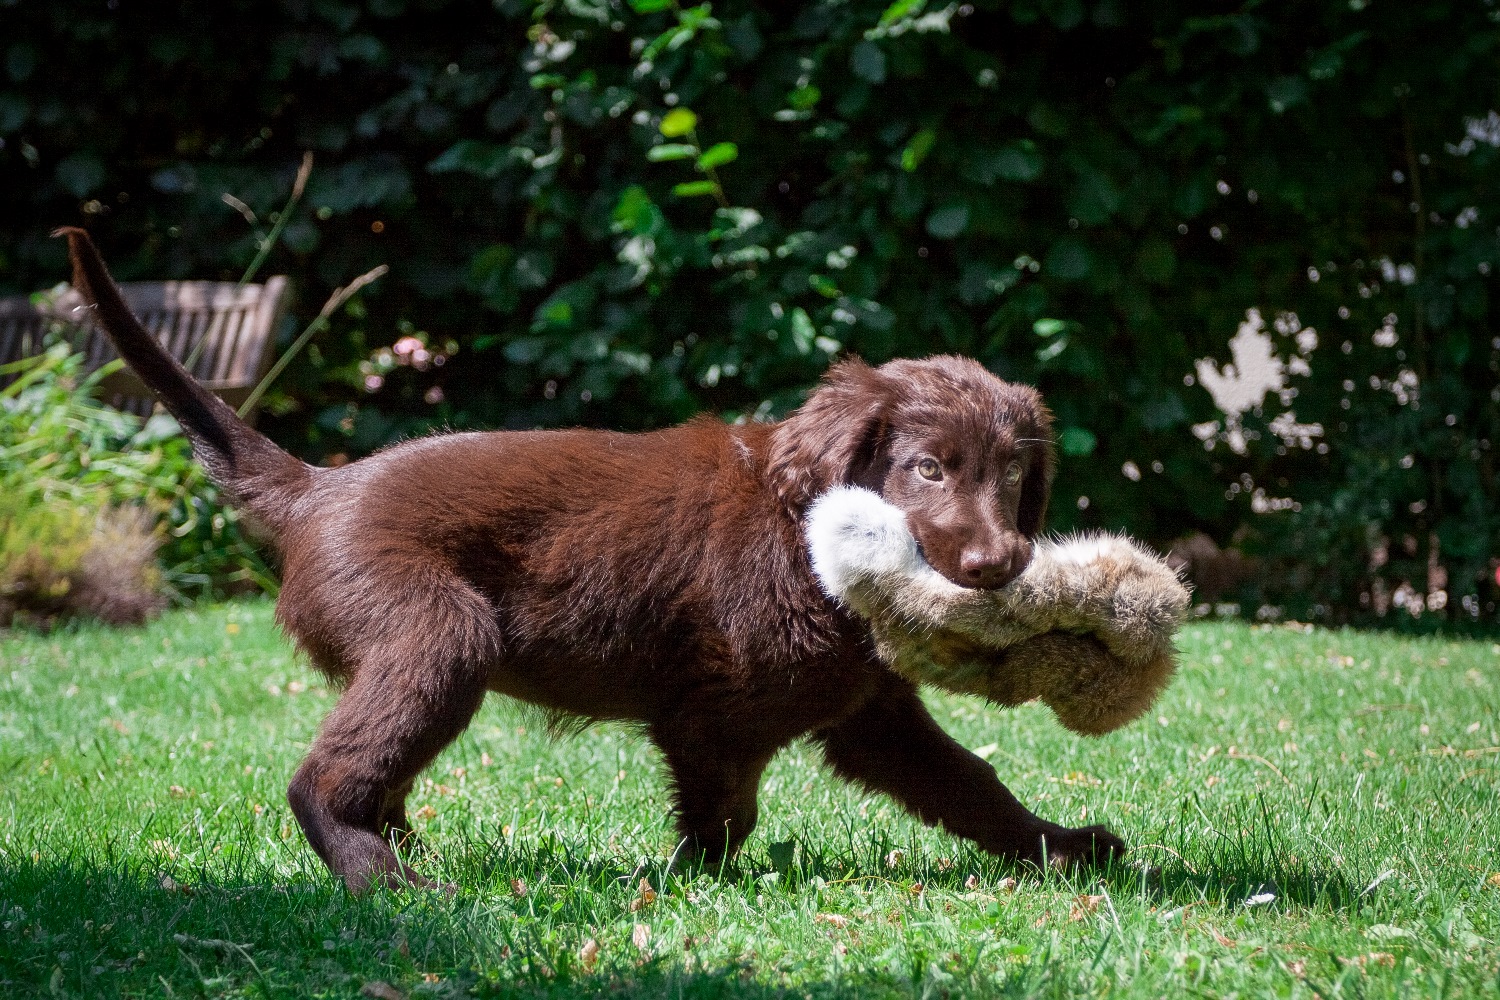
(653, 577)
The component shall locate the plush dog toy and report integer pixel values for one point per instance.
(1087, 627)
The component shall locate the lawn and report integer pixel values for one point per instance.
(1313, 814)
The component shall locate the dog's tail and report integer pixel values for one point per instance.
(257, 476)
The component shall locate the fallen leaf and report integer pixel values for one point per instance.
(916, 888)
(518, 888)
(1226, 942)
(426, 812)
(1297, 968)
(836, 919)
(589, 954)
(971, 883)
(945, 864)
(1083, 906)
(170, 884)
(178, 792)
(1007, 884)
(1494, 880)
(640, 936)
(379, 990)
(1383, 958)
(895, 858)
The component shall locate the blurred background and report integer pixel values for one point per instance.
(1247, 256)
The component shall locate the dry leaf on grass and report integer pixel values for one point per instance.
(641, 937)
(836, 919)
(379, 990)
(426, 812)
(589, 954)
(1083, 906)
(646, 898)
(518, 888)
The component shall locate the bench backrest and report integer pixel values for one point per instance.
(236, 325)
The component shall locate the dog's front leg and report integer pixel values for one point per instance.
(892, 744)
(716, 768)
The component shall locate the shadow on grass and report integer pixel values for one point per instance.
(89, 931)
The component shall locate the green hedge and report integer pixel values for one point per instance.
(619, 215)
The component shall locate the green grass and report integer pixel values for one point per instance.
(1351, 777)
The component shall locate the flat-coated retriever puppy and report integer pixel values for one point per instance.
(656, 577)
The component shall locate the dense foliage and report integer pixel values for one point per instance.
(100, 513)
(622, 214)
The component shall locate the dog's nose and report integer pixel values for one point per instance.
(991, 567)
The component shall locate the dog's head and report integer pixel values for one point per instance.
(966, 456)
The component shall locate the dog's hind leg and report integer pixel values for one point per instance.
(402, 709)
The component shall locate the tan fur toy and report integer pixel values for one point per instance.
(1087, 628)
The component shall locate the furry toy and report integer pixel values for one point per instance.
(1087, 627)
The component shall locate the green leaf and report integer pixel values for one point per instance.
(1286, 92)
(525, 350)
(868, 62)
(1052, 350)
(1049, 327)
(717, 155)
(472, 156)
(948, 222)
(80, 174)
(649, 6)
(678, 122)
(633, 210)
(1018, 162)
(671, 151)
(1077, 442)
(1068, 260)
(900, 9)
(917, 149)
(693, 189)
(803, 98)
(803, 331)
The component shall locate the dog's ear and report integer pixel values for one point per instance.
(1037, 486)
(833, 439)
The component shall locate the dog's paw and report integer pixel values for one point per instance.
(1065, 848)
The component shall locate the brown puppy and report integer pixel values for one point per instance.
(655, 577)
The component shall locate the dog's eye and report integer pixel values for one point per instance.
(1013, 474)
(928, 468)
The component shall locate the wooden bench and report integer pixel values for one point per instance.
(235, 324)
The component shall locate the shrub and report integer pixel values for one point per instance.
(99, 514)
